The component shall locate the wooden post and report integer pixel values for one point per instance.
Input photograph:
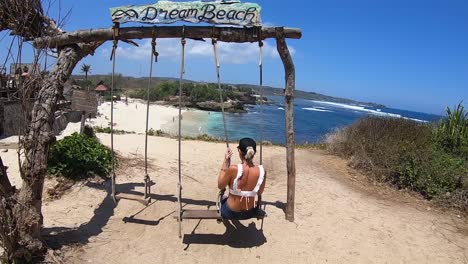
(289, 116)
(83, 122)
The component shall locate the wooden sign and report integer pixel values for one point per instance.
(214, 12)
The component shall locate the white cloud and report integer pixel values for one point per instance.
(229, 53)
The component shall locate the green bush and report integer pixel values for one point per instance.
(433, 174)
(451, 133)
(431, 159)
(79, 156)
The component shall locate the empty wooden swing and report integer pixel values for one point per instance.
(116, 196)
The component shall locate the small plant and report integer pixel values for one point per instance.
(452, 132)
(152, 132)
(204, 137)
(79, 156)
(107, 130)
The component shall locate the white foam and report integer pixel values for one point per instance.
(280, 108)
(370, 111)
(360, 109)
(415, 119)
(316, 109)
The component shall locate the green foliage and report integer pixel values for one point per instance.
(85, 84)
(161, 92)
(433, 173)
(205, 137)
(451, 133)
(202, 93)
(79, 156)
(195, 92)
(159, 132)
(107, 130)
(430, 159)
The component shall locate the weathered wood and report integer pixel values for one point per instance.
(201, 214)
(226, 34)
(162, 12)
(83, 100)
(289, 116)
(131, 197)
(24, 220)
(36, 144)
(83, 122)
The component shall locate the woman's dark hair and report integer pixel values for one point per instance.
(248, 147)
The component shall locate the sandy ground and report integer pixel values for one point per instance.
(337, 221)
(338, 218)
(132, 116)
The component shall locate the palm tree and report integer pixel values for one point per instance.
(86, 68)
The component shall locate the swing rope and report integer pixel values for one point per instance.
(201, 214)
(260, 64)
(154, 56)
(114, 51)
(182, 71)
(220, 90)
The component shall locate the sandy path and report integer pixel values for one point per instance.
(336, 221)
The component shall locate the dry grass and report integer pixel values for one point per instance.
(404, 154)
(376, 145)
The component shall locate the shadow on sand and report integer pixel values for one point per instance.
(236, 234)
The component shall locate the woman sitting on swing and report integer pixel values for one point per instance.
(245, 181)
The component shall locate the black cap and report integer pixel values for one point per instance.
(245, 143)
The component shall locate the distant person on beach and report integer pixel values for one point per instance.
(245, 181)
(25, 72)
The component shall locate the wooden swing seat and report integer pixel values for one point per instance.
(201, 214)
(132, 197)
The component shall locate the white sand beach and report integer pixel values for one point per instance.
(132, 116)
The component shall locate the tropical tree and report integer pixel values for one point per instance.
(20, 208)
(86, 68)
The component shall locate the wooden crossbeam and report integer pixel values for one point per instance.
(226, 34)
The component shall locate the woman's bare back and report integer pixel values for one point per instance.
(248, 182)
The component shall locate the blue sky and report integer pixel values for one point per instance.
(405, 54)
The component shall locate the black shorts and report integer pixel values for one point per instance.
(227, 213)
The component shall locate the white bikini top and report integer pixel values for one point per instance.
(236, 191)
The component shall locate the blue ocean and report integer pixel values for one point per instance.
(313, 120)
